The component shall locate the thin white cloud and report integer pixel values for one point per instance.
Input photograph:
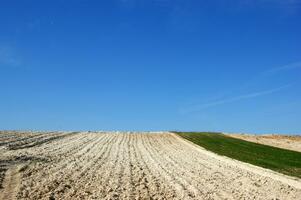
(265, 76)
(8, 57)
(233, 99)
(283, 68)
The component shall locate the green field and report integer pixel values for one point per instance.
(277, 159)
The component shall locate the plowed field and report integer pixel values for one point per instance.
(86, 165)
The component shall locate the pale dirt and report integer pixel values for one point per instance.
(11, 182)
(282, 141)
(129, 166)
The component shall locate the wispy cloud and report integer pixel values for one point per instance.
(283, 68)
(199, 107)
(268, 75)
(8, 57)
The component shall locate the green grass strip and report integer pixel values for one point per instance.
(281, 160)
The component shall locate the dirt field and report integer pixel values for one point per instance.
(128, 166)
(281, 141)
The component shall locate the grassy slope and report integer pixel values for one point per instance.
(280, 160)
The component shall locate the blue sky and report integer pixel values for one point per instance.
(197, 65)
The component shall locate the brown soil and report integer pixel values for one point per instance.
(281, 141)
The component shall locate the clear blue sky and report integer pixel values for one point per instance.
(215, 65)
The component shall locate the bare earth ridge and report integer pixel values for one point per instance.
(128, 166)
(282, 141)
